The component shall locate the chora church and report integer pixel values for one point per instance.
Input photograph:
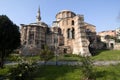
(67, 35)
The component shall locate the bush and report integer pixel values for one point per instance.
(13, 57)
(23, 71)
(87, 69)
(46, 54)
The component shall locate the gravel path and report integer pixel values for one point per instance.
(97, 63)
(72, 63)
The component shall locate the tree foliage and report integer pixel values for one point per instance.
(46, 54)
(9, 37)
(23, 71)
(87, 69)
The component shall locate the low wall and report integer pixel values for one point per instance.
(117, 46)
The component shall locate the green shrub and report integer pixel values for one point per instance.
(46, 54)
(87, 69)
(13, 57)
(23, 71)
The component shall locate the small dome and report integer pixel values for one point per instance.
(40, 23)
(65, 14)
(65, 10)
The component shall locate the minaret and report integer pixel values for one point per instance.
(38, 17)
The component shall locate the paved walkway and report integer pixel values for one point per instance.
(97, 63)
(72, 63)
(100, 63)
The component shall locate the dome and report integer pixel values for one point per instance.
(40, 23)
(64, 14)
(62, 11)
(65, 10)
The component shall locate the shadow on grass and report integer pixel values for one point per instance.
(54, 72)
(97, 52)
(100, 74)
(71, 73)
(107, 75)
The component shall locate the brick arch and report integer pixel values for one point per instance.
(73, 33)
(72, 23)
(68, 33)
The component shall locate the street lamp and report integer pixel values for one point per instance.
(56, 46)
(55, 30)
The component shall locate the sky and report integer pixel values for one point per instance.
(104, 14)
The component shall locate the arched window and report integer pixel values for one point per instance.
(73, 33)
(59, 31)
(72, 22)
(68, 33)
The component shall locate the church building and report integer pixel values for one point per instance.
(67, 35)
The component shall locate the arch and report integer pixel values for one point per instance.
(72, 22)
(59, 31)
(68, 33)
(73, 33)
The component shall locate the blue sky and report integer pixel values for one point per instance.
(104, 14)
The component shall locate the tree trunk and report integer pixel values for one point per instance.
(1, 62)
(2, 58)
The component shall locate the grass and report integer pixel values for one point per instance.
(108, 72)
(107, 55)
(74, 73)
(111, 72)
(67, 57)
(102, 55)
(57, 73)
(33, 58)
(14, 57)
(4, 71)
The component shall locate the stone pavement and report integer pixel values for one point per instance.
(72, 63)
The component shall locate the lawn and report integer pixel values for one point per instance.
(107, 55)
(4, 71)
(67, 57)
(74, 73)
(101, 55)
(111, 72)
(14, 57)
(65, 72)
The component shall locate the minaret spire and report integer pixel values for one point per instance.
(38, 18)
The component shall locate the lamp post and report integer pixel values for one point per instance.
(56, 32)
(56, 45)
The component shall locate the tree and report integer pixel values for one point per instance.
(46, 54)
(9, 37)
(87, 69)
